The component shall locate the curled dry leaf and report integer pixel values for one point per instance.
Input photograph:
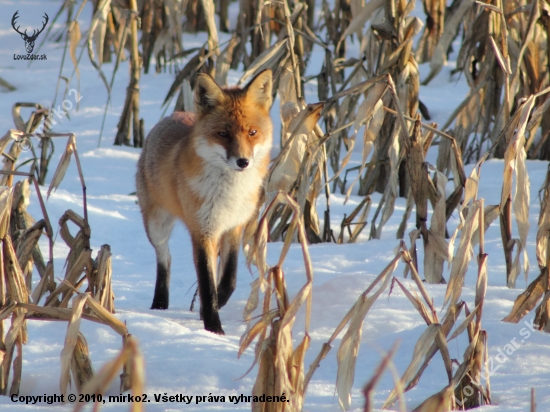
(526, 301)
(63, 165)
(81, 365)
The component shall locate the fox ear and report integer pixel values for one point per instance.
(258, 90)
(207, 94)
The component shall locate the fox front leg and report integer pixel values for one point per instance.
(205, 253)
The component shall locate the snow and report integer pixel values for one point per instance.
(182, 358)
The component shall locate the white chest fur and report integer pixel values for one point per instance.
(228, 197)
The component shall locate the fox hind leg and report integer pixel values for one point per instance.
(159, 228)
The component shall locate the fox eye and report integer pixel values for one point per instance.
(223, 134)
(252, 133)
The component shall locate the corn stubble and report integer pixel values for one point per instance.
(85, 292)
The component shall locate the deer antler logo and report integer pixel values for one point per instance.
(29, 40)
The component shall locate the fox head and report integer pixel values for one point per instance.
(233, 128)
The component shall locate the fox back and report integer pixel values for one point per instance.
(206, 169)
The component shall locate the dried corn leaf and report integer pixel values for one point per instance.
(209, 16)
(414, 274)
(292, 309)
(349, 346)
(369, 387)
(503, 63)
(448, 323)
(63, 165)
(526, 301)
(251, 334)
(102, 380)
(100, 23)
(542, 315)
(54, 313)
(71, 277)
(74, 38)
(435, 246)
(285, 168)
(269, 59)
(28, 241)
(417, 303)
(8, 137)
(514, 160)
(364, 114)
(81, 365)
(543, 230)
(440, 402)
(7, 310)
(267, 375)
(462, 327)
(521, 203)
(71, 338)
(421, 350)
(357, 24)
(253, 300)
(463, 255)
(491, 212)
(288, 96)
(102, 287)
(391, 192)
(452, 24)
(17, 369)
(6, 199)
(516, 143)
(15, 332)
(296, 371)
(223, 62)
(107, 317)
(16, 283)
(374, 120)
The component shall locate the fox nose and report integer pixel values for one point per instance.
(242, 163)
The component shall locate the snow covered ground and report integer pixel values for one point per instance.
(181, 358)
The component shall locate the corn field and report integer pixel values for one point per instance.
(368, 107)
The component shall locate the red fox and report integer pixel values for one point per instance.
(207, 169)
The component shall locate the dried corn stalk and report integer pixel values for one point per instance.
(281, 367)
